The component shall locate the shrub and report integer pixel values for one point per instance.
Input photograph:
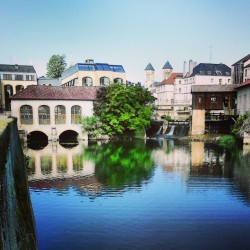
(227, 141)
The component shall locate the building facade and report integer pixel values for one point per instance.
(93, 74)
(14, 78)
(53, 110)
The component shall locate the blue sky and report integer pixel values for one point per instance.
(128, 32)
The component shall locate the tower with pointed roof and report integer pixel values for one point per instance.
(166, 70)
(150, 75)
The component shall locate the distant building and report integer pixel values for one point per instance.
(241, 70)
(93, 74)
(48, 81)
(14, 78)
(150, 76)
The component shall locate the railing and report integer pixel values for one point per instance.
(177, 122)
(217, 117)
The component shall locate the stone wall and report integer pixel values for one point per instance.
(17, 227)
(198, 122)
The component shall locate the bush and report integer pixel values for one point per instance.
(227, 141)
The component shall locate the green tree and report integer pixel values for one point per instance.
(124, 110)
(56, 66)
(92, 125)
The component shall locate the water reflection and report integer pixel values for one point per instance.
(125, 164)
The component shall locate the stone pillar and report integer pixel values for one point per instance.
(198, 122)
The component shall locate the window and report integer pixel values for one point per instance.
(76, 114)
(19, 77)
(87, 81)
(213, 99)
(104, 81)
(26, 114)
(200, 99)
(220, 81)
(30, 78)
(7, 76)
(44, 114)
(60, 114)
(19, 88)
(212, 80)
(118, 80)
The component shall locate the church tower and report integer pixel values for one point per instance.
(150, 75)
(166, 70)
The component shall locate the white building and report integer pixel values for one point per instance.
(93, 74)
(53, 110)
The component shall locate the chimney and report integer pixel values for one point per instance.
(90, 61)
(184, 68)
(191, 66)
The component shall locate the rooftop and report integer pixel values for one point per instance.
(171, 79)
(211, 69)
(244, 59)
(15, 68)
(92, 67)
(167, 66)
(244, 84)
(42, 92)
(149, 67)
(213, 88)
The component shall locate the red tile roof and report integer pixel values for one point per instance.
(246, 83)
(171, 78)
(41, 92)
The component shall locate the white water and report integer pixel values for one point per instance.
(171, 132)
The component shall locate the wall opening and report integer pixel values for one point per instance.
(68, 139)
(37, 140)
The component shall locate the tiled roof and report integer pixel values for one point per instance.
(17, 68)
(244, 84)
(41, 92)
(149, 67)
(213, 88)
(167, 66)
(211, 69)
(171, 78)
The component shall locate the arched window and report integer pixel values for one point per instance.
(60, 114)
(87, 81)
(26, 114)
(118, 80)
(104, 81)
(76, 114)
(19, 88)
(44, 114)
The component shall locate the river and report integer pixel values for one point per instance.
(154, 194)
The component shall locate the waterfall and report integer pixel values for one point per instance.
(171, 132)
(159, 130)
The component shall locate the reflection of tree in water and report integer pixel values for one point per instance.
(121, 163)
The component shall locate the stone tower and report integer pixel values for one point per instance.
(166, 70)
(150, 75)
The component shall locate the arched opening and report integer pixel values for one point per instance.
(44, 114)
(68, 138)
(8, 92)
(37, 140)
(26, 114)
(87, 81)
(104, 81)
(60, 114)
(76, 114)
(19, 88)
(118, 80)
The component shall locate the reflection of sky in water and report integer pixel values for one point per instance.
(195, 196)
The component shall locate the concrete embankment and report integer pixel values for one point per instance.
(17, 227)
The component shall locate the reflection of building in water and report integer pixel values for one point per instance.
(197, 153)
(172, 158)
(55, 161)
